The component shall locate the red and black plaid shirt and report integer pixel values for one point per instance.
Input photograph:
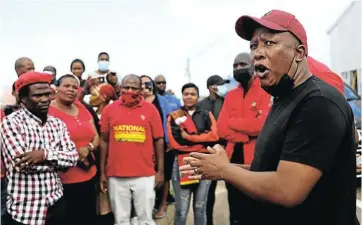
(30, 193)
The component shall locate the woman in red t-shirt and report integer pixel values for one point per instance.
(78, 182)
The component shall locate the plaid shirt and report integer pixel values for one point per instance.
(30, 193)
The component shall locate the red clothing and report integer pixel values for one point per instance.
(2, 115)
(131, 134)
(81, 133)
(242, 118)
(321, 71)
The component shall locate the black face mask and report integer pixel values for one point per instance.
(285, 85)
(243, 76)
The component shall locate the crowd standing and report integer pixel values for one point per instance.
(99, 150)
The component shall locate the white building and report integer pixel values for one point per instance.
(345, 45)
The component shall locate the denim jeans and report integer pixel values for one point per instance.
(183, 198)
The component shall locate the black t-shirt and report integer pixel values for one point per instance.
(313, 126)
(156, 103)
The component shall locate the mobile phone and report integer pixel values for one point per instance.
(101, 80)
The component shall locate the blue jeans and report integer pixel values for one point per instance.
(183, 198)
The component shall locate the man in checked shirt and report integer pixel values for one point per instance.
(35, 147)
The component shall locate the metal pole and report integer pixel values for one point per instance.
(188, 74)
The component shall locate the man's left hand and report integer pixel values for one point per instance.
(159, 179)
(206, 166)
(29, 159)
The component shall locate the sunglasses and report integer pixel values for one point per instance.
(161, 82)
(130, 88)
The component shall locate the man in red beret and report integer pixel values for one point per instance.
(304, 166)
(35, 147)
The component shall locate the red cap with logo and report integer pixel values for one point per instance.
(32, 77)
(274, 20)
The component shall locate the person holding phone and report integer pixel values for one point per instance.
(103, 68)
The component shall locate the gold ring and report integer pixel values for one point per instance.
(196, 172)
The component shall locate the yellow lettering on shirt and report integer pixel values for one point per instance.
(129, 133)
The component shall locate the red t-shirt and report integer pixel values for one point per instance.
(321, 71)
(81, 133)
(2, 115)
(131, 135)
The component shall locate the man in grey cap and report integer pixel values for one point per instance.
(213, 103)
(217, 89)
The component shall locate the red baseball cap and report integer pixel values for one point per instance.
(276, 20)
(32, 77)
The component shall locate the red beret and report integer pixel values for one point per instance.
(32, 77)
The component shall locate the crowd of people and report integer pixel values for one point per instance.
(94, 149)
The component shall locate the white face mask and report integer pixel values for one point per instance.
(103, 65)
(221, 90)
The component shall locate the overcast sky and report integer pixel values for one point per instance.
(146, 36)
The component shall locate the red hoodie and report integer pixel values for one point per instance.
(321, 71)
(242, 118)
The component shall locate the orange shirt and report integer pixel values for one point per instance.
(321, 71)
(2, 115)
(131, 135)
(81, 133)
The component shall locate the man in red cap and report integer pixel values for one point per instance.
(35, 147)
(303, 171)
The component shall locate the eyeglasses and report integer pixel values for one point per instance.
(161, 82)
(130, 88)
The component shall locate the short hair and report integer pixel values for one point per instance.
(77, 61)
(190, 85)
(103, 53)
(154, 91)
(24, 92)
(13, 87)
(51, 69)
(131, 76)
(60, 80)
(20, 61)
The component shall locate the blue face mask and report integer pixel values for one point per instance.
(221, 90)
(103, 65)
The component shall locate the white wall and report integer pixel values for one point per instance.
(345, 41)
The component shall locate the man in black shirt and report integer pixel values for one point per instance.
(303, 170)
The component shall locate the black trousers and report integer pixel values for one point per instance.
(211, 203)
(169, 158)
(55, 215)
(235, 196)
(80, 201)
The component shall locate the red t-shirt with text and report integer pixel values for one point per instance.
(81, 132)
(131, 135)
